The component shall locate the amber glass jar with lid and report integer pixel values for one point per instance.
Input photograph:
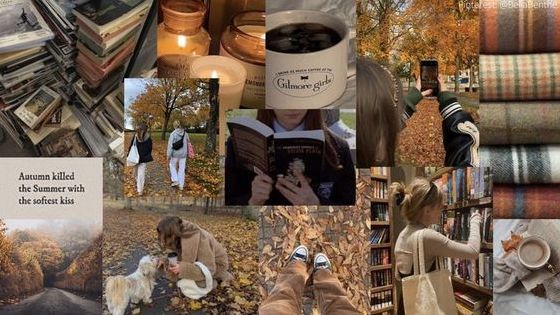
(244, 40)
(180, 36)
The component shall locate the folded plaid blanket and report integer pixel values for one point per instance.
(522, 164)
(519, 123)
(520, 77)
(526, 201)
(509, 27)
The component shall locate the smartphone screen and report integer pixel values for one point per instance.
(429, 76)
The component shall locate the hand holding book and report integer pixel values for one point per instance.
(301, 194)
(261, 187)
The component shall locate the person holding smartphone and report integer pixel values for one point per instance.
(382, 112)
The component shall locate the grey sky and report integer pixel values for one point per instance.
(132, 88)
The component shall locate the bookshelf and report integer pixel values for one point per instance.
(382, 267)
(467, 190)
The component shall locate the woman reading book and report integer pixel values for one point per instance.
(421, 205)
(382, 112)
(143, 143)
(301, 174)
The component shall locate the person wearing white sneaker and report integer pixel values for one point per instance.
(177, 155)
(286, 296)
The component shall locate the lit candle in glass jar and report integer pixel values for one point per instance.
(231, 75)
(244, 40)
(180, 37)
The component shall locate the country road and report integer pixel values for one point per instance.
(53, 301)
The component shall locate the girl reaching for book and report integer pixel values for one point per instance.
(382, 112)
(335, 185)
(421, 205)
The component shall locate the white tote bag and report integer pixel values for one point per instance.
(189, 287)
(427, 293)
(133, 157)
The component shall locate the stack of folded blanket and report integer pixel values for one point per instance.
(520, 105)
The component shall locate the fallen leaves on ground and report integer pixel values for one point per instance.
(203, 178)
(126, 231)
(421, 142)
(339, 232)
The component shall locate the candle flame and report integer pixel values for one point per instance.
(214, 74)
(182, 41)
(263, 36)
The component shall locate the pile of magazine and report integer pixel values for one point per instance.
(76, 52)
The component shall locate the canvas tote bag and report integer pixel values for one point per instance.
(191, 290)
(427, 293)
(133, 157)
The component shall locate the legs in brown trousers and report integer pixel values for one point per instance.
(286, 296)
(330, 295)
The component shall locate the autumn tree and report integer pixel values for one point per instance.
(162, 98)
(400, 33)
(212, 124)
(5, 249)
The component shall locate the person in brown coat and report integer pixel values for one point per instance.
(193, 244)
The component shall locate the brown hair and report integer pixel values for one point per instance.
(141, 132)
(313, 120)
(379, 108)
(412, 199)
(169, 232)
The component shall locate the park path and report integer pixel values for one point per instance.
(53, 301)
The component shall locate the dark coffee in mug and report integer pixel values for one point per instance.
(301, 38)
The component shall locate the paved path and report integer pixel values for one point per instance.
(53, 301)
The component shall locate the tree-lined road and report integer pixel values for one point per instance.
(53, 301)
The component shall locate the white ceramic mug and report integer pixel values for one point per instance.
(306, 80)
(533, 252)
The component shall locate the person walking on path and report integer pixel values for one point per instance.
(177, 152)
(143, 143)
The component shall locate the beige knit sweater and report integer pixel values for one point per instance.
(435, 245)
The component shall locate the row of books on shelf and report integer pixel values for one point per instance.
(380, 278)
(380, 257)
(383, 299)
(456, 224)
(477, 271)
(380, 211)
(379, 236)
(380, 189)
(465, 184)
(379, 171)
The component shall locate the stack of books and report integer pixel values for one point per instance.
(380, 257)
(469, 303)
(382, 278)
(106, 40)
(380, 211)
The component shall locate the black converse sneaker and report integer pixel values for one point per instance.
(300, 253)
(321, 262)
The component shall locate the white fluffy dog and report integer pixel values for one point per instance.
(121, 290)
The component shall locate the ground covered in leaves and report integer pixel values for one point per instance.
(127, 232)
(203, 172)
(421, 142)
(339, 232)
